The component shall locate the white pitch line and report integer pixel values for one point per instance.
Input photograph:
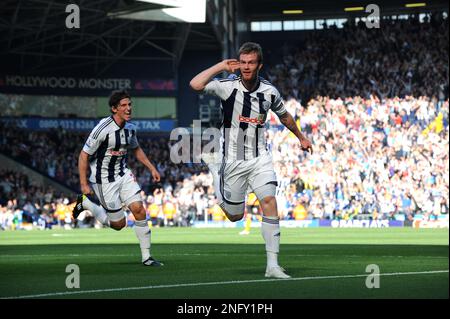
(234, 282)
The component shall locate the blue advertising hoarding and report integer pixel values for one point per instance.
(360, 223)
(39, 124)
(308, 223)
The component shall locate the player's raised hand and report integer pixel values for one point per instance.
(231, 65)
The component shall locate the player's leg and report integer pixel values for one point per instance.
(214, 163)
(131, 195)
(100, 211)
(270, 229)
(233, 212)
(233, 185)
(84, 203)
(233, 205)
(108, 194)
(263, 181)
(143, 233)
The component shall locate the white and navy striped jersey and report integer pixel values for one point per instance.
(244, 115)
(108, 146)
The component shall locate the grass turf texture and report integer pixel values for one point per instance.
(33, 263)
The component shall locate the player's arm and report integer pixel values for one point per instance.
(141, 157)
(199, 82)
(287, 120)
(90, 147)
(83, 164)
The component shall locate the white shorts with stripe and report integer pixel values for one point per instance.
(112, 196)
(238, 176)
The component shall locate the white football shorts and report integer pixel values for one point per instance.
(112, 196)
(257, 175)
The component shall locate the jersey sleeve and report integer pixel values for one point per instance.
(93, 142)
(133, 141)
(220, 88)
(277, 104)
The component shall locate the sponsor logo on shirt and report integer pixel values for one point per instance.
(117, 153)
(254, 120)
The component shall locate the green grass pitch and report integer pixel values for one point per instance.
(221, 264)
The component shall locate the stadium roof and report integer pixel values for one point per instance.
(35, 38)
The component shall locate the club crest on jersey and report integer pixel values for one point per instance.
(266, 105)
(89, 142)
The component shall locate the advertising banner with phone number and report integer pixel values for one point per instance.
(38, 124)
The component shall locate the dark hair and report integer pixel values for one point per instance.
(249, 47)
(116, 96)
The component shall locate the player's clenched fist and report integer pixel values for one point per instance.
(155, 175)
(85, 189)
(306, 144)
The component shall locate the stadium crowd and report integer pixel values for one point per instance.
(52, 152)
(402, 57)
(25, 204)
(378, 159)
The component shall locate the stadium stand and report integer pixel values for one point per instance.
(404, 57)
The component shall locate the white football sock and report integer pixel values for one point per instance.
(98, 211)
(214, 169)
(214, 165)
(270, 229)
(216, 184)
(143, 233)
